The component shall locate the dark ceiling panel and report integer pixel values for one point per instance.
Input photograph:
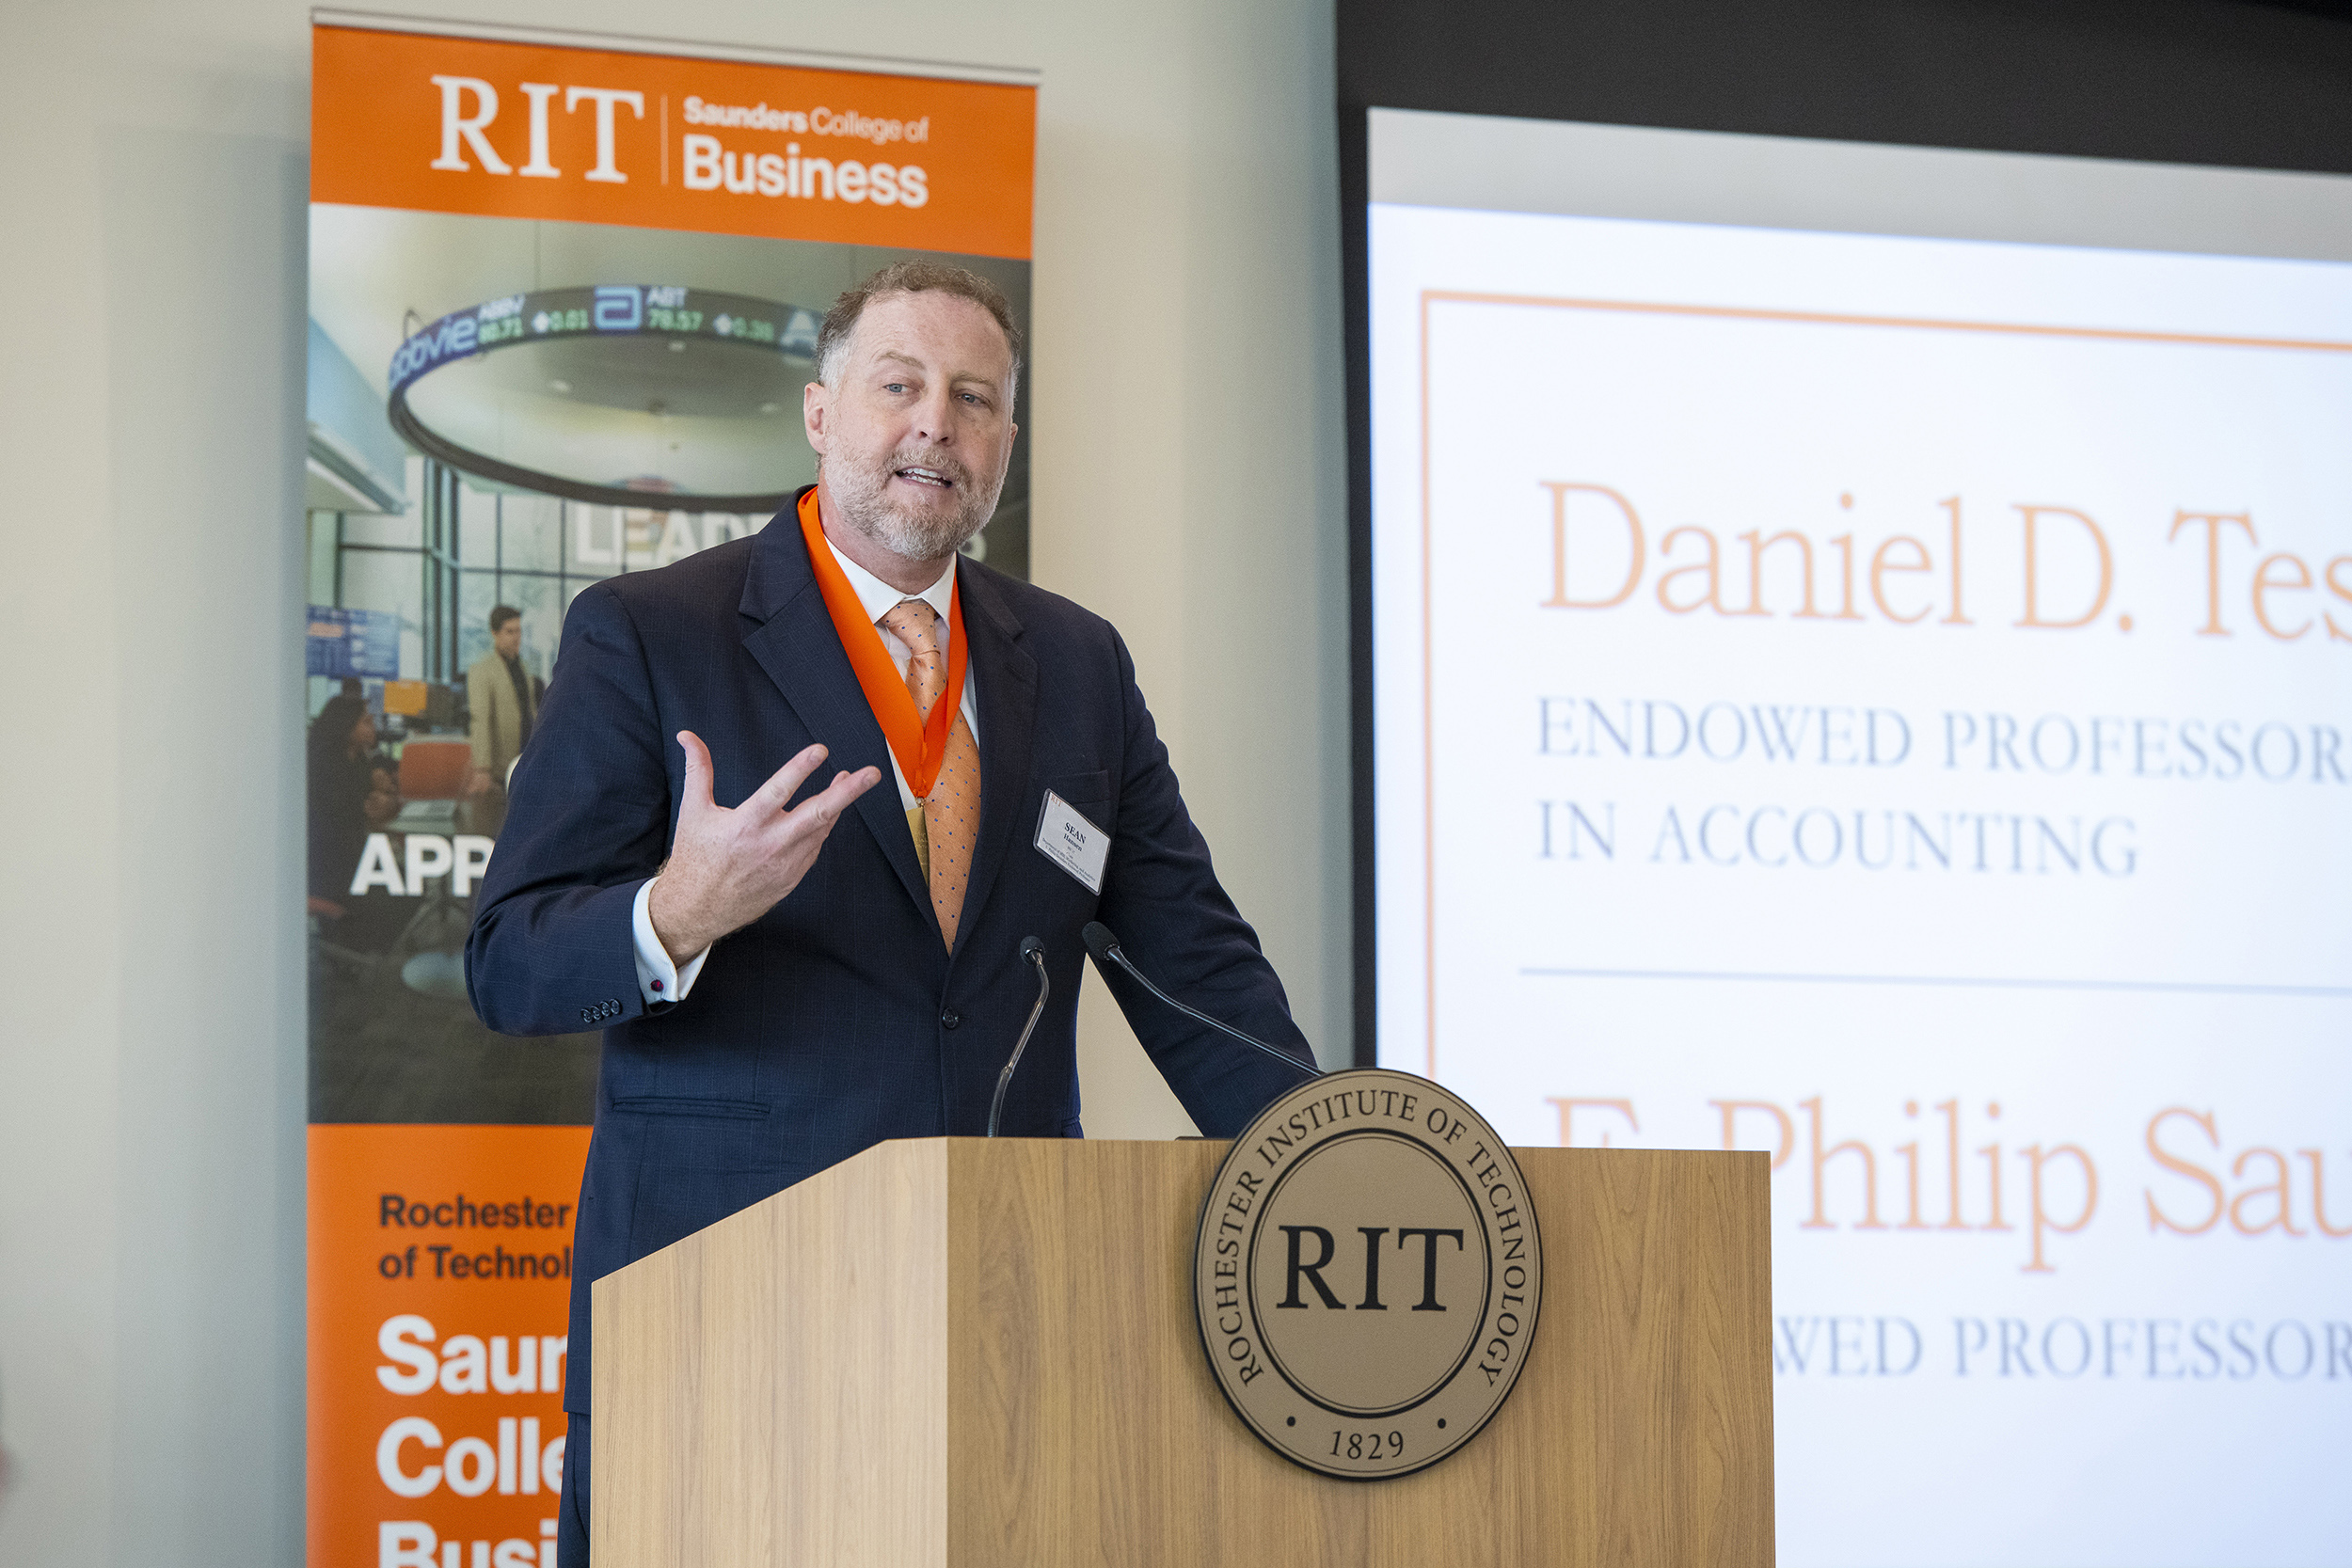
(2178, 81)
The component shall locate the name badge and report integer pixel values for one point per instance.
(1066, 837)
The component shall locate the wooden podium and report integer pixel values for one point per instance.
(965, 1353)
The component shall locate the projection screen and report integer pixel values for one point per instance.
(1860, 647)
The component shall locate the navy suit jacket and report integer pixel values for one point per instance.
(839, 1018)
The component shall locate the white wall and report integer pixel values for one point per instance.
(1188, 483)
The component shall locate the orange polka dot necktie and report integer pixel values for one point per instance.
(947, 824)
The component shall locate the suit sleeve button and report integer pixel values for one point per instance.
(950, 1018)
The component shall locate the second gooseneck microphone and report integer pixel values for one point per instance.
(1033, 954)
(1103, 945)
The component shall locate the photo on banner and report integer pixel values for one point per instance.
(565, 294)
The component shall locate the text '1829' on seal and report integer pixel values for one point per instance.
(1366, 1275)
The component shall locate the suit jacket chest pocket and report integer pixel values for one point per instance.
(1089, 794)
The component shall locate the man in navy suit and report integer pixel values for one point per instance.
(782, 987)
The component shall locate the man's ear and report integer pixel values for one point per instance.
(815, 404)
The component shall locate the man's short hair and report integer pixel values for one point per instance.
(502, 614)
(909, 277)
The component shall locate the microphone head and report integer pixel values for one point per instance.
(1032, 951)
(1100, 942)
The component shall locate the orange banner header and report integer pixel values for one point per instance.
(652, 141)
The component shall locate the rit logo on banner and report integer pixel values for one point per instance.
(471, 104)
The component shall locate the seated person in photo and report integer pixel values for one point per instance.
(353, 793)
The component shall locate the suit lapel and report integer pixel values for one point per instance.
(788, 631)
(1007, 705)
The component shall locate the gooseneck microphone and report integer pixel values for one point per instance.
(1033, 953)
(1105, 947)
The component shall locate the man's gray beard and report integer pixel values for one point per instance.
(863, 492)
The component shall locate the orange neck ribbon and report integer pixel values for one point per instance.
(920, 746)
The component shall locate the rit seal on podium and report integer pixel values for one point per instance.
(1366, 1275)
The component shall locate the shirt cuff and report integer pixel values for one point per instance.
(658, 981)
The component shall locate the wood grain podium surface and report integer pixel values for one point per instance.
(967, 1354)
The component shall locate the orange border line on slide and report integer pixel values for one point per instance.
(1718, 312)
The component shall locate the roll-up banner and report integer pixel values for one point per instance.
(564, 294)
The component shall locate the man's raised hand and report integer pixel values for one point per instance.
(728, 867)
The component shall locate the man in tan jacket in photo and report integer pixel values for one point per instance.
(503, 699)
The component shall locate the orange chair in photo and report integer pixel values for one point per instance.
(435, 769)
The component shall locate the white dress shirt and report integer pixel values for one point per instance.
(658, 979)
